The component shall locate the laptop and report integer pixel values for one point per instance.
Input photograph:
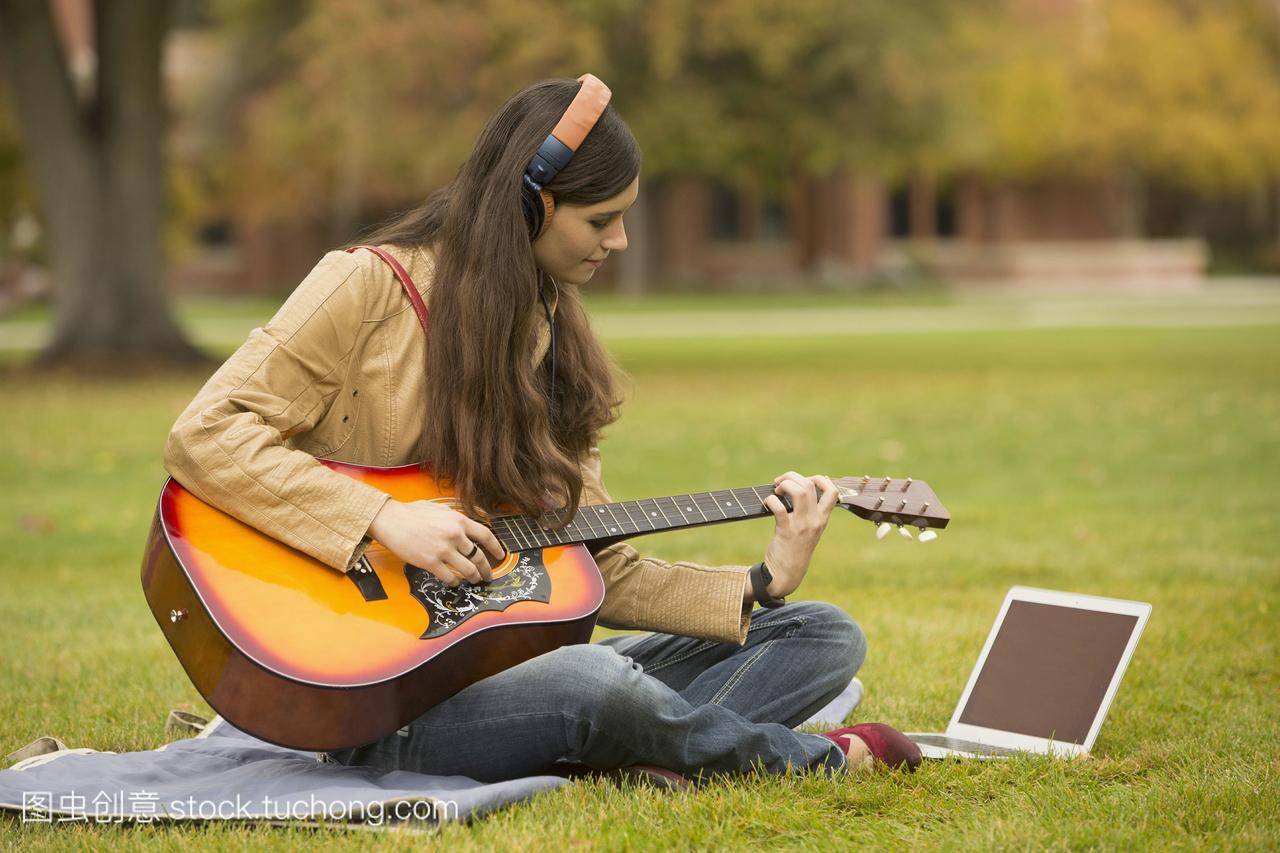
(1045, 679)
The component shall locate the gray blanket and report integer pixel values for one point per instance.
(225, 774)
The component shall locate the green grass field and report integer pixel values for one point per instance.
(1113, 460)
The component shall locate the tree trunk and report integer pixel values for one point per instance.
(98, 170)
(1133, 204)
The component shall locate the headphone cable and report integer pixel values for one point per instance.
(546, 307)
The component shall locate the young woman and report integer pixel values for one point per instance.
(506, 396)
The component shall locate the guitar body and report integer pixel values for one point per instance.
(304, 656)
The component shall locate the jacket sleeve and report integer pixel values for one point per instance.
(648, 594)
(229, 446)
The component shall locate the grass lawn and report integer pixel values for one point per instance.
(1129, 462)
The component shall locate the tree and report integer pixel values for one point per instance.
(1187, 93)
(383, 98)
(97, 165)
(762, 91)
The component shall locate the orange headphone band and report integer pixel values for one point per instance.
(558, 148)
(583, 112)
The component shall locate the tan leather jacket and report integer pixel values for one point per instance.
(338, 372)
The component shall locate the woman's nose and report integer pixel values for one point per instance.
(616, 239)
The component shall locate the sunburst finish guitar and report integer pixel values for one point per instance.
(303, 656)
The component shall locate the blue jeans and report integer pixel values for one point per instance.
(676, 702)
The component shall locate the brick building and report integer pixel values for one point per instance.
(689, 231)
(847, 226)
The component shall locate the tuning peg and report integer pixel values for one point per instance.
(904, 532)
(928, 535)
(883, 530)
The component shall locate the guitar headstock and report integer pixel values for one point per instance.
(885, 501)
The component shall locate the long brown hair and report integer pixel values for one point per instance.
(488, 428)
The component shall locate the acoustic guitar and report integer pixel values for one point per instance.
(303, 656)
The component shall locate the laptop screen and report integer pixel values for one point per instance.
(1048, 671)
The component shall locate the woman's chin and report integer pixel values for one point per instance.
(577, 277)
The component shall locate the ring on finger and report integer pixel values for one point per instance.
(474, 548)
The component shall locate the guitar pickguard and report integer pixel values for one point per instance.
(448, 607)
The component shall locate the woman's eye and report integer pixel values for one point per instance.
(600, 225)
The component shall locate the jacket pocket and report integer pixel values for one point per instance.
(336, 428)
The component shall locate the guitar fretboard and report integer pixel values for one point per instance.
(629, 518)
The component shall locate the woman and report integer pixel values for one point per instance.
(506, 396)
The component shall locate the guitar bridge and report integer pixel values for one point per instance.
(367, 581)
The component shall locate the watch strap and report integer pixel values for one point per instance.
(760, 578)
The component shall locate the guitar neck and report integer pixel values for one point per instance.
(622, 519)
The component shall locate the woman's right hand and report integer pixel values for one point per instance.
(436, 538)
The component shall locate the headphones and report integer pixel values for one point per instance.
(557, 150)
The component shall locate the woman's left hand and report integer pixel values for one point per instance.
(796, 533)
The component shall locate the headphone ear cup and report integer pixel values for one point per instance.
(548, 210)
(534, 211)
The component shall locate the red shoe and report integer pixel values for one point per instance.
(886, 743)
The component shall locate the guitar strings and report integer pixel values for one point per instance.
(533, 532)
(525, 531)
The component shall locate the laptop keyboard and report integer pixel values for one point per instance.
(963, 745)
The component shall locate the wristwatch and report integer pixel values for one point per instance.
(760, 579)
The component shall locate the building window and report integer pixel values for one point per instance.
(944, 212)
(726, 214)
(900, 212)
(744, 216)
(773, 221)
(947, 213)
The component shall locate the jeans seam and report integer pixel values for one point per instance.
(696, 650)
(598, 731)
(796, 627)
(590, 723)
(798, 623)
(767, 623)
(416, 724)
(737, 677)
(708, 644)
